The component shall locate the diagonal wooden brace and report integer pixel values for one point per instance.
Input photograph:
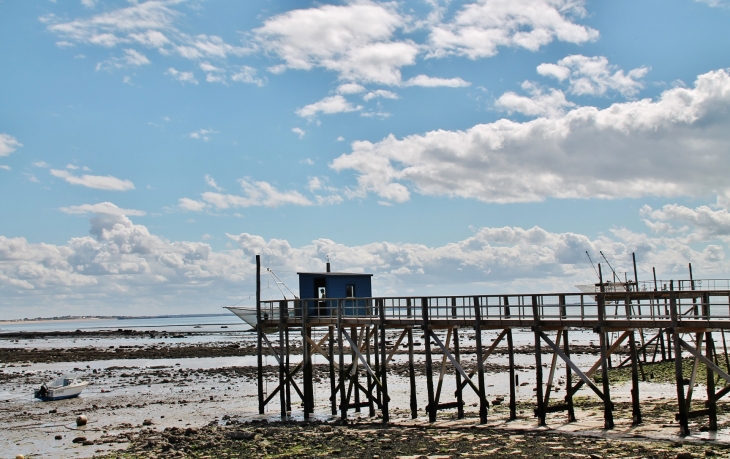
(361, 358)
(704, 360)
(572, 365)
(467, 379)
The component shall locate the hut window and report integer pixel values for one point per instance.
(350, 291)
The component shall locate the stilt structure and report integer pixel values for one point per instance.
(363, 335)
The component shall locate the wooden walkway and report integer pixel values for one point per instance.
(681, 320)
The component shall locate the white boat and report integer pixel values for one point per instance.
(67, 386)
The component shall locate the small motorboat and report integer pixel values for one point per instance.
(67, 386)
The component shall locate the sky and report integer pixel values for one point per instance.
(150, 149)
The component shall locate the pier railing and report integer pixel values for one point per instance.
(646, 309)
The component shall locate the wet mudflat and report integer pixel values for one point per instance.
(184, 395)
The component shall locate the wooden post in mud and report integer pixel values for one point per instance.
(511, 358)
(429, 364)
(635, 400)
(368, 378)
(710, 353)
(384, 374)
(282, 392)
(483, 404)
(540, 410)
(411, 366)
(607, 404)
(566, 350)
(343, 373)
(568, 379)
(333, 385)
(288, 370)
(376, 348)
(356, 372)
(308, 402)
(259, 337)
(459, 389)
(682, 414)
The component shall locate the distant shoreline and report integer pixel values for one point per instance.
(93, 318)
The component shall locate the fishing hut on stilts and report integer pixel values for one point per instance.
(683, 317)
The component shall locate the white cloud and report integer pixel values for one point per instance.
(479, 28)
(433, 82)
(106, 208)
(212, 183)
(299, 131)
(673, 146)
(340, 139)
(99, 182)
(350, 88)
(183, 77)
(255, 194)
(89, 3)
(42, 164)
(355, 41)
(328, 106)
(380, 93)
(4, 167)
(191, 204)
(246, 74)
(8, 144)
(594, 76)
(715, 3)
(202, 134)
(699, 224)
(122, 264)
(550, 104)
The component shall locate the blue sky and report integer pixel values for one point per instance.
(149, 149)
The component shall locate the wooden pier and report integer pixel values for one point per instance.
(678, 317)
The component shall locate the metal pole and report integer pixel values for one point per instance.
(259, 337)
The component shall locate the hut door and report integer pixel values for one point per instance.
(320, 290)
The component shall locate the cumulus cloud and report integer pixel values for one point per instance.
(99, 182)
(328, 106)
(539, 103)
(478, 29)
(255, 194)
(246, 74)
(299, 131)
(355, 41)
(699, 224)
(350, 88)
(122, 264)
(106, 208)
(380, 93)
(8, 144)
(183, 77)
(594, 76)
(433, 82)
(671, 146)
(191, 204)
(202, 134)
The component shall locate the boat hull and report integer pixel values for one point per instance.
(61, 393)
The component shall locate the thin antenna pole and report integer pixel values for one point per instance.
(636, 274)
(653, 270)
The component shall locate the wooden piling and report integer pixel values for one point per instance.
(282, 326)
(429, 364)
(384, 364)
(682, 416)
(259, 337)
(483, 404)
(540, 409)
(333, 384)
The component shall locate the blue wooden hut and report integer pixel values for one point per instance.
(316, 288)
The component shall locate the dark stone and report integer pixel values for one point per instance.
(78, 440)
(241, 435)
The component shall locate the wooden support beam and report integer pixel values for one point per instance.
(393, 351)
(259, 334)
(483, 404)
(454, 362)
(553, 363)
(429, 364)
(333, 384)
(682, 415)
(442, 371)
(384, 377)
(458, 394)
(540, 410)
(583, 376)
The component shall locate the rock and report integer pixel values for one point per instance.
(81, 420)
(58, 437)
(596, 456)
(19, 456)
(87, 443)
(241, 435)
(147, 422)
(684, 456)
(78, 440)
